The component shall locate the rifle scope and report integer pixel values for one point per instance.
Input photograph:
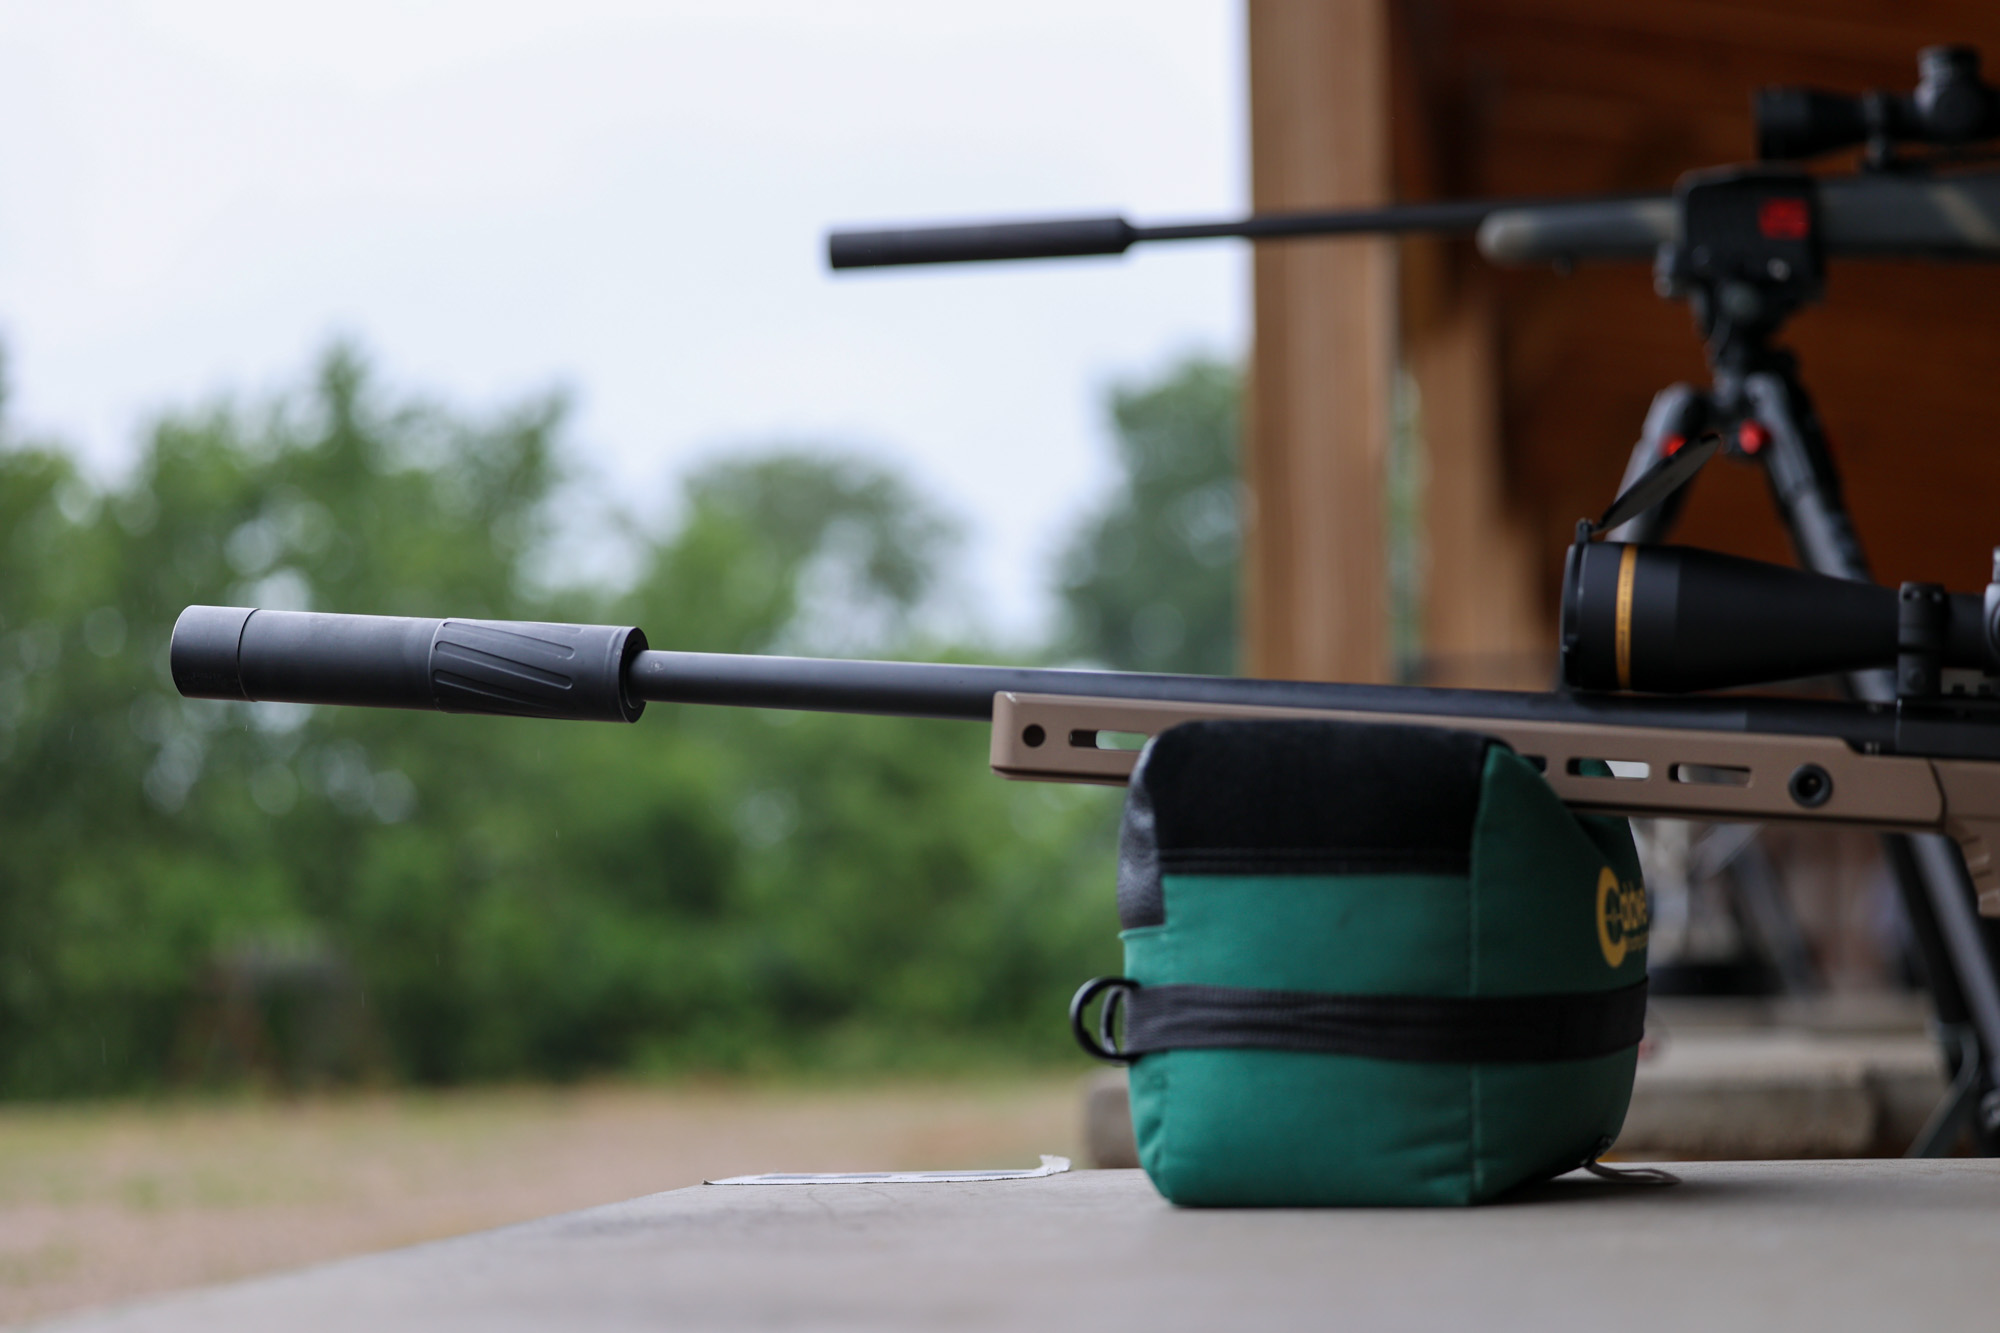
(1951, 107)
(1672, 619)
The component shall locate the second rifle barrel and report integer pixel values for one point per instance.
(1069, 237)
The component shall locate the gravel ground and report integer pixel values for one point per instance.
(102, 1203)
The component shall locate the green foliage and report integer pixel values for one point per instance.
(794, 546)
(1150, 583)
(713, 888)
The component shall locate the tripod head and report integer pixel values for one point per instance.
(1750, 246)
(1952, 107)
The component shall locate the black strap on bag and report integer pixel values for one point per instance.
(1481, 1029)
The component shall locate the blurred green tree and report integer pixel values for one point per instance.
(1149, 583)
(509, 898)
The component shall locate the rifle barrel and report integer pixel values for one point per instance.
(951, 690)
(1063, 238)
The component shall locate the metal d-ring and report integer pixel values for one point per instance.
(1101, 1044)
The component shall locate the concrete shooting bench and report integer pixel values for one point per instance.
(1818, 1245)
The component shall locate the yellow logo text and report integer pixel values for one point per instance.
(1622, 916)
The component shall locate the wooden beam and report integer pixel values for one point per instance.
(1481, 620)
(1317, 420)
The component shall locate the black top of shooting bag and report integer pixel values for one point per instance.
(1254, 798)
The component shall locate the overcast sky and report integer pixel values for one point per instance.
(626, 200)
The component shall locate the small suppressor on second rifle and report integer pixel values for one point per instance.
(1672, 619)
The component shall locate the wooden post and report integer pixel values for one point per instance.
(1317, 420)
(1482, 623)
(1481, 620)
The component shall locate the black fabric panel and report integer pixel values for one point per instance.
(1497, 1029)
(1141, 899)
(1312, 861)
(1304, 797)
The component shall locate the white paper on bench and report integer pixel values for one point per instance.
(1050, 1166)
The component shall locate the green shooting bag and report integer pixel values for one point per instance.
(1368, 965)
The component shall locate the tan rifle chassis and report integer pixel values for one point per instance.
(1661, 772)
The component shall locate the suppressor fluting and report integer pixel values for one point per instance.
(515, 668)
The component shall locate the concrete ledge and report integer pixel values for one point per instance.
(1774, 1093)
(1832, 1245)
(1718, 1083)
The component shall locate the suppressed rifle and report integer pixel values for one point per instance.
(1901, 206)
(1661, 617)
(1916, 750)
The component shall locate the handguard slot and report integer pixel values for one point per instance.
(1709, 775)
(1618, 770)
(1088, 738)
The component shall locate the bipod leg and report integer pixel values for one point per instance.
(1955, 947)
(1759, 895)
(1680, 413)
(1940, 1133)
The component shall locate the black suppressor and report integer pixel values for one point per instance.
(1055, 239)
(518, 668)
(1672, 619)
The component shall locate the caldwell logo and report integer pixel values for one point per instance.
(1622, 919)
